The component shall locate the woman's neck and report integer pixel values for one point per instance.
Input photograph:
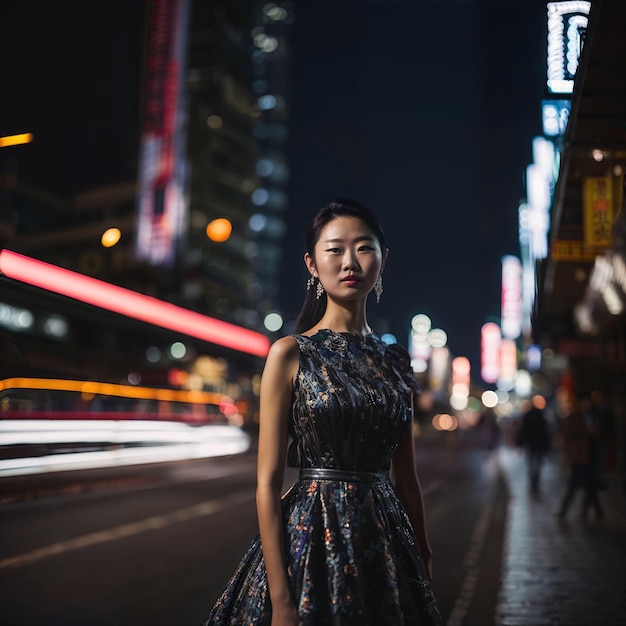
(342, 321)
(360, 328)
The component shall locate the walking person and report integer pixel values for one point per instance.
(347, 544)
(580, 435)
(534, 438)
(607, 439)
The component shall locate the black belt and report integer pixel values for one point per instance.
(322, 473)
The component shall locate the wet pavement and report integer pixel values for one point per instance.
(557, 571)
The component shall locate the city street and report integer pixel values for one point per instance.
(155, 545)
(190, 245)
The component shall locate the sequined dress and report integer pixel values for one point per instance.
(352, 557)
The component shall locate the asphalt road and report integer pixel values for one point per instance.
(156, 544)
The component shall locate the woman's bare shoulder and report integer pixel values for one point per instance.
(284, 349)
(282, 360)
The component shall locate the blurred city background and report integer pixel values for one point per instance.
(159, 161)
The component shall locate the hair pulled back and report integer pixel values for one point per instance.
(313, 307)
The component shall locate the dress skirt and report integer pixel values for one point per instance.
(352, 559)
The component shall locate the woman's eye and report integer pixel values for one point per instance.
(333, 250)
(365, 248)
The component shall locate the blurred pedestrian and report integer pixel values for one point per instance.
(580, 442)
(607, 440)
(534, 438)
(344, 545)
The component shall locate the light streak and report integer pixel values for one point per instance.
(131, 303)
(111, 389)
(132, 443)
(15, 140)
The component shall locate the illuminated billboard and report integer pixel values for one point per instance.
(162, 163)
(508, 364)
(490, 342)
(511, 313)
(567, 26)
(555, 116)
(598, 211)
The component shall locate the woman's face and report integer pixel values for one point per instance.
(347, 258)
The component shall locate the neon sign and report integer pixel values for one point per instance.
(567, 25)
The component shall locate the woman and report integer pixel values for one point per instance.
(344, 546)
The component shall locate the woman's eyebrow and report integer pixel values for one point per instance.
(340, 240)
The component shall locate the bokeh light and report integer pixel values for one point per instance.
(419, 365)
(539, 402)
(110, 237)
(437, 338)
(257, 222)
(445, 421)
(178, 350)
(421, 323)
(389, 339)
(273, 321)
(458, 402)
(260, 196)
(214, 121)
(153, 354)
(489, 398)
(219, 230)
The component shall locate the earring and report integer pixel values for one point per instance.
(378, 287)
(310, 282)
(319, 290)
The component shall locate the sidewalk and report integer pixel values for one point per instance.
(557, 572)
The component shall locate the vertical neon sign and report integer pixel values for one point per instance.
(162, 162)
(567, 24)
(491, 339)
(511, 313)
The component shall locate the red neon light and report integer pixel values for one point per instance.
(131, 303)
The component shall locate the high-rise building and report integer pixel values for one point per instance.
(271, 69)
(238, 111)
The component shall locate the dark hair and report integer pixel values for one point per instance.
(313, 308)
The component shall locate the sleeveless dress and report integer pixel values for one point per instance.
(352, 557)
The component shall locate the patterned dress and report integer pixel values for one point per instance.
(352, 557)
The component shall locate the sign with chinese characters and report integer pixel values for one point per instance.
(598, 211)
(571, 250)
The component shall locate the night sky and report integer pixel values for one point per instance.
(422, 109)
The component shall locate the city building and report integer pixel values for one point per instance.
(579, 317)
(191, 214)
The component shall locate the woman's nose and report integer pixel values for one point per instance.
(349, 261)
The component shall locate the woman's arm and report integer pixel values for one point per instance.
(410, 490)
(275, 410)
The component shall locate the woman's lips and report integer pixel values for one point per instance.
(351, 280)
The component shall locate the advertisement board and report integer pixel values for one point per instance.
(567, 26)
(162, 163)
(598, 211)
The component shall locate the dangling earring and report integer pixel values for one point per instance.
(310, 282)
(319, 290)
(378, 287)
